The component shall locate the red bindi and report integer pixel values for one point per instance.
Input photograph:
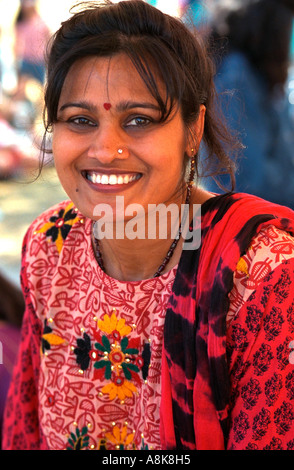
(107, 106)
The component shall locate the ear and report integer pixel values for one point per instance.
(196, 132)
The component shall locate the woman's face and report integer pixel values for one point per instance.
(108, 141)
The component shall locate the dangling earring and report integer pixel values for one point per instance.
(192, 168)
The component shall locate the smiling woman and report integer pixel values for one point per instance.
(124, 150)
(145, 342)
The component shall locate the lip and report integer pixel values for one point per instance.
(110, 180)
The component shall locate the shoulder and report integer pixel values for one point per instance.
(271, 250)
(229, 224)
(53, 226)
(239, 209)
(50, 244)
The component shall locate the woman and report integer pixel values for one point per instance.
(140, 342)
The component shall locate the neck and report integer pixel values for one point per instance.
(137, 259)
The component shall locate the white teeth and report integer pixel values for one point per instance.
(111, 179)
(120, 180)
(104, 179)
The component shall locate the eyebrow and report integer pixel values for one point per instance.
(79, 104)
(123, 106)
(126, 105)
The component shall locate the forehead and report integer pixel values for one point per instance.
(105, 78)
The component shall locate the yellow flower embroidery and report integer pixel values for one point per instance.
(120, 388)
(59, 225)
(121, 439)
(49, 338)
(53, 339)
(112, 324)
(242, 266)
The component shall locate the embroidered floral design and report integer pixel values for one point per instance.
(82, 351)
(242, 266)
(78, 440)
(102, 444)
(49, 338)
(119, 388)
(117, 356)
(143, 445)
(117, 352)
(146, 356)
(59, 225)
(121, 439)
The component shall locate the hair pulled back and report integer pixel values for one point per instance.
(158, 45)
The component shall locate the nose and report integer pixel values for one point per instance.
(107, 145)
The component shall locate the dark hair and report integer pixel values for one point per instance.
(156, 43)
(262, 31)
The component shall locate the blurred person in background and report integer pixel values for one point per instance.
(20, 110)
(251, 42)
(11, 313)
(18, 152)
(31, 36)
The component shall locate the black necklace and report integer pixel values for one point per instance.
(169, 254)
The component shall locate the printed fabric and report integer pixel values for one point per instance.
(206, 369)
(97, 355)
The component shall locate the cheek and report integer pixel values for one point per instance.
(167, 152)
(63, 149)
(56, 144)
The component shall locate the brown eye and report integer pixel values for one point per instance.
(139, 121)
(82, 121)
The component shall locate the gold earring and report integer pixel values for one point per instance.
(192, 170)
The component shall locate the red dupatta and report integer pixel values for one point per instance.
(195, 379)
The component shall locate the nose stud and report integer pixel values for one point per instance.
(120, 151)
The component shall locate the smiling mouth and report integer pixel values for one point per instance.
(112, 179)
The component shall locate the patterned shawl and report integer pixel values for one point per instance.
(195, 379)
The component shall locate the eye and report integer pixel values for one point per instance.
(139, 121)
(82, 121)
